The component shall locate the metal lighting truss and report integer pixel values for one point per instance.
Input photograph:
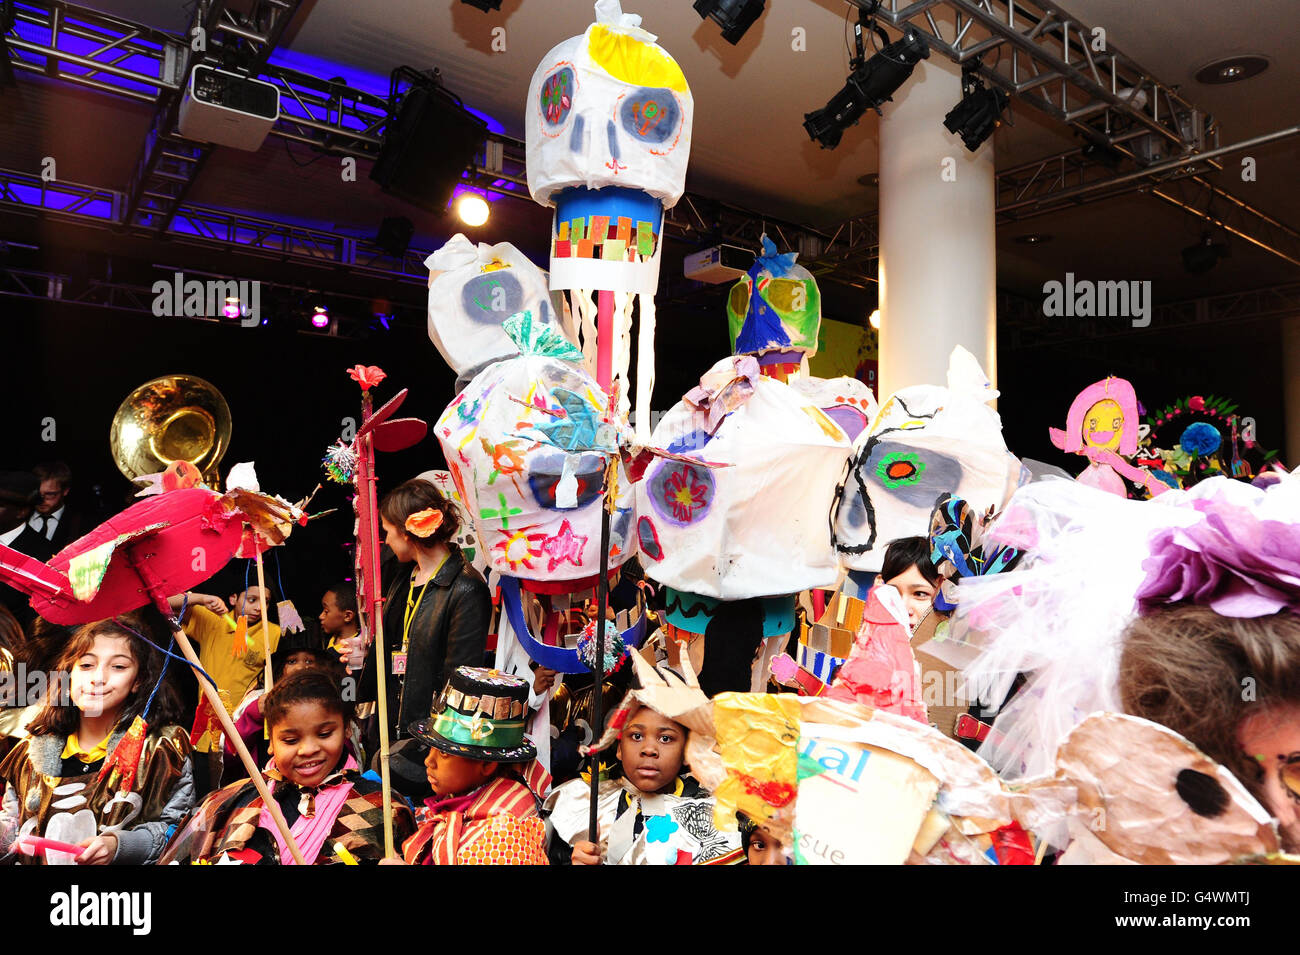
(280, 300)
(1046, 58)
(1048, 52)
(1024, 320)
(207, 226)
(82, 46)
(169, 163)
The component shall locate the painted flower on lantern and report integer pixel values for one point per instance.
(520, 547)
(684, 493)
(899, 470)
(1200, 438)
(367, 376)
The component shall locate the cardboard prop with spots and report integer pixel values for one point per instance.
(1103, 426)
(465, 536)
(473, 290)
(775, 310)
(926, 441)
(758, 527)
(527, 443)
(1172, 805)
(608, 131)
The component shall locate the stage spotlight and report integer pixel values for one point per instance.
(1200, 258)
(874, 319)
(486, 6)
(472, 209)
(871, 83)
(231, 308)
(734, 16)
(978, 113)
(320, 317)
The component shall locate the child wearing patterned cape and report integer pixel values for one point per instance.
(101, 751)
(334, 813)
(486, 781)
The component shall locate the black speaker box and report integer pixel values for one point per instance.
(427, 147)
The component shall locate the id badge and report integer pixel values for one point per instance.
(399, 662)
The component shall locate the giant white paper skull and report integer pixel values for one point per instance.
(608, 129)
(760, 527)
(521, 443)
(473, 290)
(926, 441)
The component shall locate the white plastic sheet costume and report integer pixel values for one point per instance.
(608, 131)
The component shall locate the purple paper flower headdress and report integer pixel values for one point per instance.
(1231, 561)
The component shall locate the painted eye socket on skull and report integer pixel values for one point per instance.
(739, 297)
(786, 295)
(651, 116)
(556, 100)
(493, 297)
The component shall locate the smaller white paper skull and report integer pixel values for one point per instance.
(473, 290)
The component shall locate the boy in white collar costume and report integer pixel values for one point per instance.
(651, 812)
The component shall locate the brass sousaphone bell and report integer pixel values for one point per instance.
(173, 418)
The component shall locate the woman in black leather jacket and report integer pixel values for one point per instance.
(437, 608)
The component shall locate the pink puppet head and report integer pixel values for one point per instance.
(1104, 415)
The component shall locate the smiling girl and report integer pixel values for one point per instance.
(314, 781)
(101, 683)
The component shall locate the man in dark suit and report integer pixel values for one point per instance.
(19, 492)
(53, 518)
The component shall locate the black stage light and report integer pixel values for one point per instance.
(395, 234)
(870, 84)
(429, 141)
(734, 16)
(978, 113)
(1200, 258)
(484, 5)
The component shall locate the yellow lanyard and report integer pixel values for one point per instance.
(413, 604)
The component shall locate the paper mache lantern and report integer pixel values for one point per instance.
(526, 443)
(775, 310)
(926, 441)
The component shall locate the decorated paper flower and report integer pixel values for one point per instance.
(367, 376)
(1196, 403)
(1200, 438)
(340, 463)
(424, 523)
(1230, 561)
(615, 650)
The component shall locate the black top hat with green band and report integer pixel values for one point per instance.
(480, 714)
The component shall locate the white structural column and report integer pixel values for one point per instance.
(1291, 389)
(937, 253)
